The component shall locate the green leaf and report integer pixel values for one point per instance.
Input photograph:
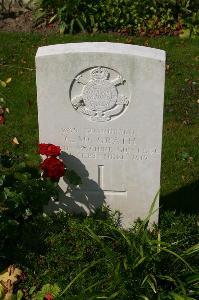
(2, 292)
(106, 249)
(185, 34)
(178, 257)
(167, 278)
(47, 288)
(39, 14)
(62, 28)
(150, 213)
(71, 26)
(32, 290)
(125, 264)
(2, 101)
(89, 288)
(192, 279)
(51, 288)
(114, 295)
(192, 250)
(2, 178)
(143, 297)
(139, 262)
(19, 295)
(150, 279)
(6, 161)
(121, 232)
(80, 25)
(180, 297)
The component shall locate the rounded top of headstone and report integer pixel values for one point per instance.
(103, 47)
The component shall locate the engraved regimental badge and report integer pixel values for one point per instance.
(95, 94)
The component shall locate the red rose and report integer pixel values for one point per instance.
(52, 168)
(48, 296)
(49, 150)
(2, 120)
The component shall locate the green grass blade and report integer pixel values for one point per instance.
(114, 295)
(180, 297)
(150, 279)
(192, 279)
(80, 25)
(120, 231)
(178, 257)
(80, 274)
(143, 297)
(139, 262)
(167, 278)
(93, 285)
(106, 249)
(192, 250)
(150, 213)
(150, 283)
(71, 26)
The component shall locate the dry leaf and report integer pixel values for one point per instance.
(129, 40)
(11, 273)
(7, 110)
(15, 141)
(8, 80)
(189, 82)
(197, 101)
(8, 278)
(167, 67)
(3, 84)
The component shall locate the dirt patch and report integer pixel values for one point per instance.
(24, 23)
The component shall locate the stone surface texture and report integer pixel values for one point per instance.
(103, 104)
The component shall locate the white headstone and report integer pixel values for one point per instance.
(103, 104)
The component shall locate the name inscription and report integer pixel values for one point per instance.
(108, 143)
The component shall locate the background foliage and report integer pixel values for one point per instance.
(152, 17)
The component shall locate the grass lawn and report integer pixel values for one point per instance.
(180, 156)
(91, 258)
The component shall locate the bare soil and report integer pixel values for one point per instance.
(24, 22)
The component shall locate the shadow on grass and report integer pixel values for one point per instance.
(184, 200)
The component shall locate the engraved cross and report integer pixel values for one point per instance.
(101, 184)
